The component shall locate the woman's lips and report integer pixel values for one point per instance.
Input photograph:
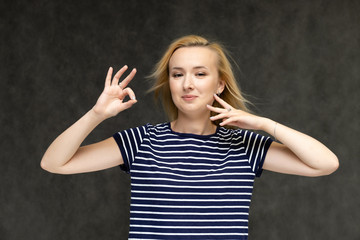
(189, 97)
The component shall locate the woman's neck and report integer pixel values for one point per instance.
(199, 126)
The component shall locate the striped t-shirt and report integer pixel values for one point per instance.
(187, 186)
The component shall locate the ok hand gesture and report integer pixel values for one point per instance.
(111, 101)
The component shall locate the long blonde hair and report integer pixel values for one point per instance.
(231, 93)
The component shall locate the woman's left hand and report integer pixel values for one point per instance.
(298, 154)
(235, 117)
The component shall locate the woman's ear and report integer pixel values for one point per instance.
(221, 87)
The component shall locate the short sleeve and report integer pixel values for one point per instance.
(256, 147)
(129, 142)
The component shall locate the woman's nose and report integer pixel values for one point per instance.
(188, 82)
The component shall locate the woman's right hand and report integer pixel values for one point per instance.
(111, 101)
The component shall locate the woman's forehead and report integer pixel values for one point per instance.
(193, 57)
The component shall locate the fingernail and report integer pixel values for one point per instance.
(133, 98)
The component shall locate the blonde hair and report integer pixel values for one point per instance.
(231, 93)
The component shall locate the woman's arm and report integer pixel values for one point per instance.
(298, 154)
(65, 156)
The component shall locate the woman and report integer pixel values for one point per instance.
(191, 178)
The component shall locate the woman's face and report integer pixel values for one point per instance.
(194, 79)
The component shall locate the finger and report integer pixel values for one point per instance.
(216, 109)
(129, 77)
(229, 121)
(108, 77)
(127, 104)
(222, 102)
(118, 75)
(219, 116)
(128, 92)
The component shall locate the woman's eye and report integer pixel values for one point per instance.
(177, 75)
(200, 74)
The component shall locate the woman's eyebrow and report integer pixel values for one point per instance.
(197, 67)
(176, 68)
(180, 68)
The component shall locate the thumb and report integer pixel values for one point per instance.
(127, 104)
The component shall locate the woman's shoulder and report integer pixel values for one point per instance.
(231, 131)
(236, 134)
(148, 128)
(157, 128)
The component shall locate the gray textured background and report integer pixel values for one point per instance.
(300, 65)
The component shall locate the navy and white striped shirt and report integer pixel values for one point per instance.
(187, 186)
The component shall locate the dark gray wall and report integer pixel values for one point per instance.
(300, 64)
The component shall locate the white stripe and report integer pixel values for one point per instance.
(217, 143)
(244, 140)
(196, 176)
(189, 213)
(196, 164)
(227, 134)
(134, 137)
(190, 186)
(190, 193)
(263, 148)
(191, 145)
(191, 200)
(164, 151)
(139, 134)
(189, 220)
(189, 170)
(189, 207)
(190, 227)
(256, 160)
(193, 158)
(223, 131)
(143, 239)
(192, 181)
(129, 142)
(126, 152)
(175, 138)
(162, 126)
(252, 152)
(190, 234)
